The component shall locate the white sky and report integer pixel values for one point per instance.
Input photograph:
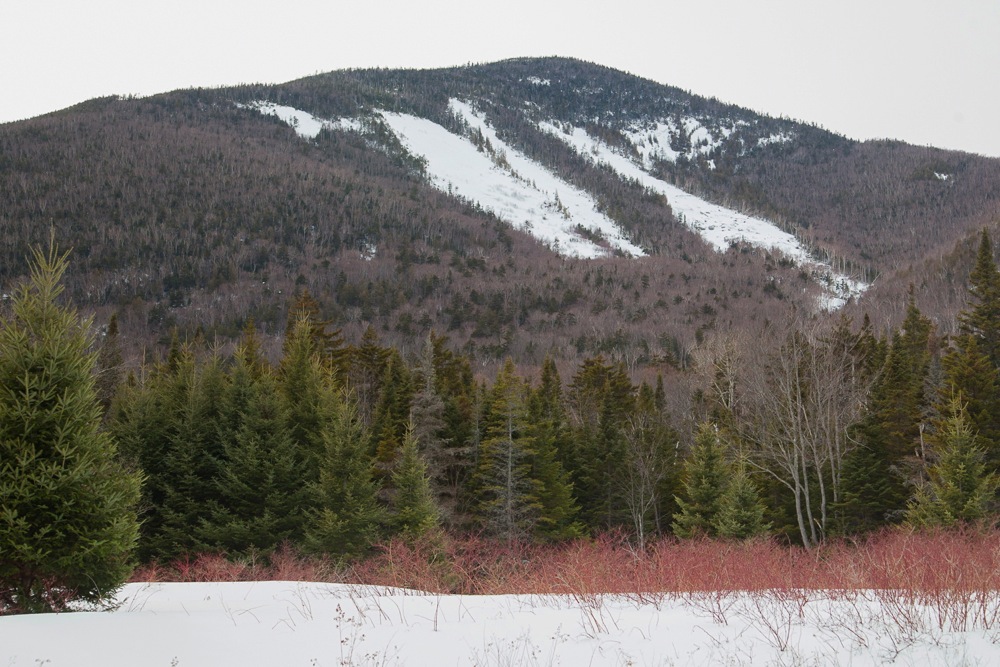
(925, 71)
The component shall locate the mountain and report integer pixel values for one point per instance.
(523, 208)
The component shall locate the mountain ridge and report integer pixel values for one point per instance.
(188, 210)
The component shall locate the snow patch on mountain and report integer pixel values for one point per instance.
(304, 123)
(719, 226)
(515, 188)
(497, 177)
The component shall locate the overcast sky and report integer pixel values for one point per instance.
(923, 71)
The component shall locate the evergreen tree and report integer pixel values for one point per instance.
(415, 514)
(968, 371)
(327, 345)
(109, 366)
(548, 430)
(427, 423)
(872, 492)
(261, 493)
(649, 466)
(392, 414)
(705, 480)
(192, 460)
(304, 386)
(508, 504)
(67, 507)
(248, 352)
(454, 383)
(346, 517)
(960, 489)
(982, 319)
(146, 421)
(601, 398)
(368, 361)
(875, 475)
(741, 511)
(972, 366)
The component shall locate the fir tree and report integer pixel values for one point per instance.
(874, 476)
(649, 466)
(981, 319)
(548, 430)
(368, 361)
(704, 478)
(261, 493)
(427, 423)
(959, 488)
(147, 420)
(968, 371)
(741, 511)
(508, 504)
(601, 397)
(454, 383)
(872, 493)
(392, 414)
(415, 514)
(192, 460)
(304, 384)
(328, 345)
(67, 507)
(346, 518)
(972, 366)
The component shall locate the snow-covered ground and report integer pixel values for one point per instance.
(321, 625)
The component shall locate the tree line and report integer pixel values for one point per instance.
(336, 447)
(827, 433)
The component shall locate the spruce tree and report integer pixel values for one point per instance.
(67, 507)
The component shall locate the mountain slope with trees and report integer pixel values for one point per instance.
(190, 210)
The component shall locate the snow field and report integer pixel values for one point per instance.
(316, 625)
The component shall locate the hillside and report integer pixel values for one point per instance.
(621, 226)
